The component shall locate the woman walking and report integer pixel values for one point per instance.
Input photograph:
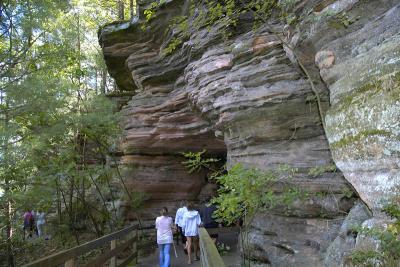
(164, 225)
(28, 223)
(41, 220)
(191, 222)
(179, 222)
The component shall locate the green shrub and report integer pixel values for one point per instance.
(245, 191)
(172, 46)
(195, 161)
(388, 254)
(150, 12)
(316, 171)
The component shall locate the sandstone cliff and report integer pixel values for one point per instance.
(245, 97)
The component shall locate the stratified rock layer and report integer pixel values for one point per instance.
(363, 125)
(247, 99)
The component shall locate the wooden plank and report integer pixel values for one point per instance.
(134, 256)
(70, 263)
(136, 252)
(62, 256)
(113, 262)
(136, 245)
(129, 260)
(110, 253)
(208, 251)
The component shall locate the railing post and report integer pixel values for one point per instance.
(113, 262)
(68, 258)
(136, 247)
(208, 251)
(70, 263)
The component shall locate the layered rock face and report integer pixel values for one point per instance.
(159, 122)
(245, 97)
(363, 123)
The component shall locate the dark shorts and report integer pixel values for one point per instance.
(211, 225)
(181, 234)
(28, 226)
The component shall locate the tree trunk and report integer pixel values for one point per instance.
(10, 256)
(7, 191)
(97, 87)
(99, 233)
(71, 222)
(59, 211)
(131, 10)
(103, 81)
(121, 10)
(115, 86)
(71, 197)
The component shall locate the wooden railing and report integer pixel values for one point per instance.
(208, 251)
(68, 257)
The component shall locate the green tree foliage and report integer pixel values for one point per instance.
(56, 124)
(225, 14)
(243, 192)
(195, 161)
(388, 239)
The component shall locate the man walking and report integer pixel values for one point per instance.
(179, 221)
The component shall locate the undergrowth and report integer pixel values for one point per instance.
(388, 240)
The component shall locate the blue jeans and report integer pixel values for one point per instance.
(164, 255)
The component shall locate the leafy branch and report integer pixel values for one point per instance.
(195, 161)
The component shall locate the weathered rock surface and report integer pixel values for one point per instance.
(340, 249)
(360, 39)
(283, 241)
(246, 98)
(363, 125)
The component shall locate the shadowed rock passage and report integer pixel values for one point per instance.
(245, 96)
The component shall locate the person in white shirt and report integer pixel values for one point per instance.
(191, 223)
(179, 221)
(164, 226)
(40, 221)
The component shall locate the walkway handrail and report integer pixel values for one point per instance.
(208, 251)
(67, 257)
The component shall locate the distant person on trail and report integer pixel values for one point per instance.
(179, 221)
(28, 223)
(34, 214)
(40, 221)
(206, 213)
(164, 226)
(191, 223)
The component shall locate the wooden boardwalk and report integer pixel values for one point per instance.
(231, 258)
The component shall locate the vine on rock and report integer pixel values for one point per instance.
(208, 13)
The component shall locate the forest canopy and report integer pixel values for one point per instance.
(56, 121)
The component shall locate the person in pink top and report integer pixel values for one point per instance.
(28, 223)
(164, 226)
